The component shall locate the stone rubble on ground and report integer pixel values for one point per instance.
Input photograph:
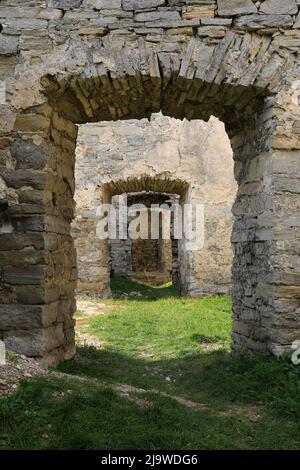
(17, 368)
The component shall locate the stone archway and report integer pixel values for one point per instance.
(153, 260)
(164, 149)
(145, 185)
(248, 80)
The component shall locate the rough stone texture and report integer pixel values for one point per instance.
(279, 7)
(247, 75)
(196, 154)
(141, 4)
(18, 368)
(235, 7)
(8, 46)
(253, 22)
(64, 4)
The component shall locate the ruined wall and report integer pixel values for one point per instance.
(68, 62)
(196, 152)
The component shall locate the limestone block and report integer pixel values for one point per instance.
(253, 22)
(141, 4)
(8, 45)
(18, 178)
(101, 4)
(33, 295)
(17, 26)
(19, 12)
(64, 4)
(28, 155)
(31, 123)
(19, 241)
(279, 7)
(35, 342)
(211, 31)
(235, 7)
(27, 317)
(50, 14)
(199, 12)
(28, 256)
(24, 275)
(157, 16)
(216, 21)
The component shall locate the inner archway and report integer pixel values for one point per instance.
(164, 155)
(154, 259)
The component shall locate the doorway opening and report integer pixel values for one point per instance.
(161, 161)
(150, 260)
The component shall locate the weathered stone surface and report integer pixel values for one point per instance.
(166, 23)
(64, 4)
(211, 31)
(235, 7)
(102, 4)
(24, 275)
(201, 11)
(157, 15)
(216, 21)
(16, 26)
(279, 7)
(19, 12)
(253, 22)
(18, 178)
(35, 342)
(141, 4)
(35, 295)
(31, 123)
(28, 155)
(8, 45)
(26, 317)
(297, 22)
(19, 241)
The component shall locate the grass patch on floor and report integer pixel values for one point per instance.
(170, 347)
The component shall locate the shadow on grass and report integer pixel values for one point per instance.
(216, 378)
(85, 410)
(133, 290)
(200, 338)
(63, 413)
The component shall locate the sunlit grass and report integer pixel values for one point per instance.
(170, 347)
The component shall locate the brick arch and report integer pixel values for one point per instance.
(246, 79)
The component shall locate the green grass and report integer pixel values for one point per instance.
(162, 343)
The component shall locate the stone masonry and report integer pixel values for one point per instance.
(69, 62)
(195, 152)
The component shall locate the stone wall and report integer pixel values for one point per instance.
(195, 152)
(68, 62)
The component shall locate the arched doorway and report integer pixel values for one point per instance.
(251, 96)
